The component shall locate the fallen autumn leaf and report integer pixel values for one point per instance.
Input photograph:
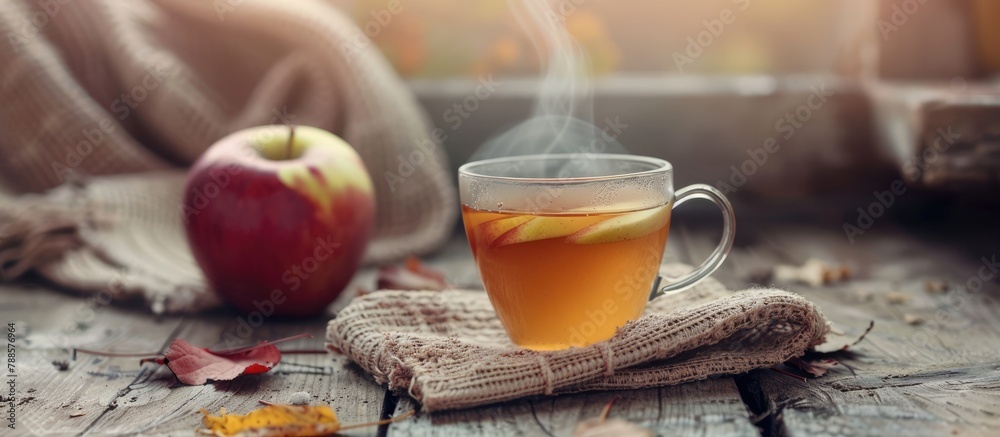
(411, 276)
(282, 420)
(195, 366)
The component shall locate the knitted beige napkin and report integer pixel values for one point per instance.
(448, 350)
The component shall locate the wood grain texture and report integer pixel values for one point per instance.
(120, 396)
(47, 324)
(710, 407)
(167, 406)
(929, 366)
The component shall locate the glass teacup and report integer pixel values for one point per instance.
(569, 245)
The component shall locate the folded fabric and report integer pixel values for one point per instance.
(143, 87)
(448, 350)
(118, 235)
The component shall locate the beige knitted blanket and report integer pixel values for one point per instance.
(448, 350)
(141, 88)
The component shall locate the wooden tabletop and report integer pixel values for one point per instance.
(930, 366)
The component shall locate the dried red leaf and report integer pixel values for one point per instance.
(195, 366)
(411, 276)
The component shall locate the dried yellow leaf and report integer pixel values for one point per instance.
(274, 420)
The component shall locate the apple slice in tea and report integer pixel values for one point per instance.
(493, 229)
(623, 227)
(525, 228)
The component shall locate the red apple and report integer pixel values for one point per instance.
(278, 218)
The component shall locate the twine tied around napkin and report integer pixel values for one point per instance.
(448, 349)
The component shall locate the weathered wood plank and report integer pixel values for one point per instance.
(700, 408)
(953, 401)
(119, 396)
(928, 367)
(930, 378)
(709, 407)
(158, 404)
(47, 323)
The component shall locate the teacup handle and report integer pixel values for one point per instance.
(702, 191)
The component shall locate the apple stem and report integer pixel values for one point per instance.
(291, 141)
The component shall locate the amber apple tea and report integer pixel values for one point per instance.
(568, 247)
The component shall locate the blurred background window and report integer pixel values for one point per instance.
(702, 82)
(446, 38)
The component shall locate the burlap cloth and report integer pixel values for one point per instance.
(448, 350)
(140, 88)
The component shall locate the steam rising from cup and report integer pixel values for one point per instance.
(562, 119)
